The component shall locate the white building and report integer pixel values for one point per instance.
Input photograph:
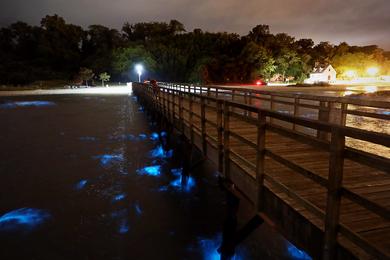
(325, 74)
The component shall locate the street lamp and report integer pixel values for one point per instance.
(139, 68)
(372, 71)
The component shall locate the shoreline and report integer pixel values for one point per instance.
(112, 90)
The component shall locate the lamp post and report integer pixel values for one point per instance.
(139, 69)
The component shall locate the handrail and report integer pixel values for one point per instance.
(227, 109)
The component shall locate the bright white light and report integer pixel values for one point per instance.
(372, 71)
(370, 89)
(139, 68)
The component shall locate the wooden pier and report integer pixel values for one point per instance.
(318, 179)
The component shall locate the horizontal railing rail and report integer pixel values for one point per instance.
(195, 106)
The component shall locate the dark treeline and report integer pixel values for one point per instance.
(59, 50)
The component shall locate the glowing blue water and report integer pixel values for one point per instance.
(107, 160)
(10, 105)
(138, 210)
(81, 184)
(154, 136)
(123, 227)
(23, 219)
(209, 249)
(154, 170)
(163, 133)
(160, 153)
(142, 137)
(297, 254)
(119, 197)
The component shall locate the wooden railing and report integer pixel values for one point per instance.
(180, 104)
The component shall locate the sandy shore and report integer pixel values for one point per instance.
(92, 91)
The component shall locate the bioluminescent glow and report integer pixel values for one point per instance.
(154, 136)
(121, 215)
(177, 172)
(209, 248)
(142, 137)
(160, 153)
(138, 209)
(81, 184)
(186, 184)
(154, 170)
(297, 254)
(87, 138)
(123, 227)
(119, 197)
(141, 109)
(10, 105)
(163, 133)
(107, 160)
(23, 219)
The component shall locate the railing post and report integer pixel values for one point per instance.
(208, 95)
(260, 155)
(226, 141)
(216, 92)
(181, 119)
(191, 120)
(335, 177)
(203, 125)
(250, 101)
(219, 137)
(296, 110)
(173, 106)
(272, 107)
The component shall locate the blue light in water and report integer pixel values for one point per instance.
(142, 137)
(81, 184)
(16, 104)
(183, 185)
(163, 133)
(177, 172)
(159, 152)
(141, 109)
(154, 170)
(209, 248)
(23, 218)
(154, 136)
(119, 197)
(297, 254)
(123, 227)
(109, 159)
(137, 209)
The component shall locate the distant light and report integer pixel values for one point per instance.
(370, 89)
(350, 73)
(258, 83)
(372, 71)
(139, 68)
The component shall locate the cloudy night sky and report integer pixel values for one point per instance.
(358, 22)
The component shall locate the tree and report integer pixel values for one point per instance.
(104, 77)
(125, 59)
(85, 74)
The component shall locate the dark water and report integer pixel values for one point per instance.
(85, 177)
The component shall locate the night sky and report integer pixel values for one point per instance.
(358, 22)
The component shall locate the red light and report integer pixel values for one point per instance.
(258, 83)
